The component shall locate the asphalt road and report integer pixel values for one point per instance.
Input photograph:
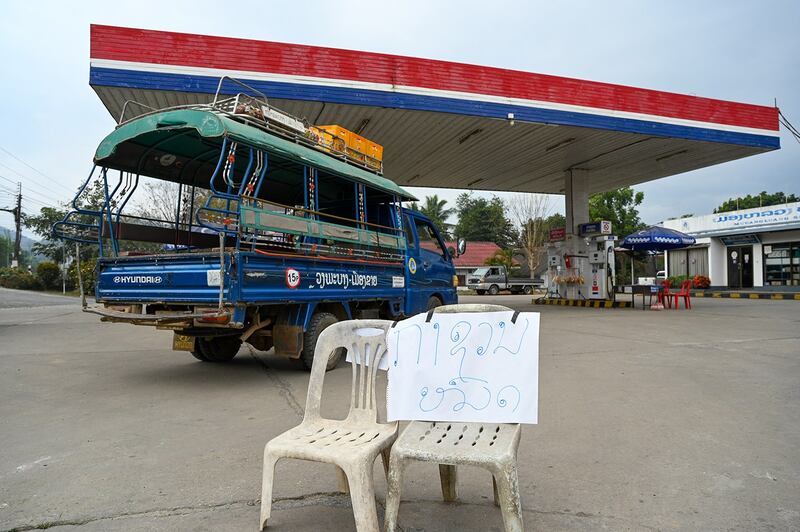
(669, 420)
(24, 298)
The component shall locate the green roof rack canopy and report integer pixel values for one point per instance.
(149, 132)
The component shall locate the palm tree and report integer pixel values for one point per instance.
(437, 211)
(502, 257)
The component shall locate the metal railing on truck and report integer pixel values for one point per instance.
(233, 207)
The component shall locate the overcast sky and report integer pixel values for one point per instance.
(742, 51)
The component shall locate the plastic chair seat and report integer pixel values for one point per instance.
(487, 445)
(333, 441)
(475, 444)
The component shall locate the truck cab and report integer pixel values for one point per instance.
(280, 230)
(430, 266)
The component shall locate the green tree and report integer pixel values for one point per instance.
(620, 208)
(764, 199)
(502, 257)
(49, 274)
(42, 225)
(436, 209)
(6, 249)
(555, 221)
(480, 219)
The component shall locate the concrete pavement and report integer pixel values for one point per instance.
(648, 421)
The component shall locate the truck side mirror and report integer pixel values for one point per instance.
(462, 246)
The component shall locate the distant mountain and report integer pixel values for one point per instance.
(26, 243)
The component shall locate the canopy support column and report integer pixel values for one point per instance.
(576, 199)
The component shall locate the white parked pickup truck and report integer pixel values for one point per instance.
(492, 279)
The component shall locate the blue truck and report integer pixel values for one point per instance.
(280, 230)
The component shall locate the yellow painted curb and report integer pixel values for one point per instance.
(749, 295)
(583, 303)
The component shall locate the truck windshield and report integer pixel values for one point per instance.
(481, 271)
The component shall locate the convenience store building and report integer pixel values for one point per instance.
(741, 249)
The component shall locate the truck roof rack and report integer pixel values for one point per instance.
(253, 109)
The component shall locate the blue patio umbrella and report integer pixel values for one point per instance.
(656, 238)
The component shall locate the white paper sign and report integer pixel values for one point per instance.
(464, 367)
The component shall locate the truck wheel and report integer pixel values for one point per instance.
(319, 322)
(218, 349)
(527, 290)
(494, 290)
(198, 353)
(433, 302)
(480, 292)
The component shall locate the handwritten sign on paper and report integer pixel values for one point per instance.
(479, 366)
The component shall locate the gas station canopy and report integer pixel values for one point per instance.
(444, 124)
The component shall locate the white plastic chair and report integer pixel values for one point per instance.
(492, 446)
(352, 444)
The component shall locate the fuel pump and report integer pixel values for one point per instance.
(555, 263)
(567, 262)
(582, 266)
(601, 262)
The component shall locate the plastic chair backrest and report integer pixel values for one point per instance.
(365, 341)
(471, 307)
(667, 285)
(686, 286)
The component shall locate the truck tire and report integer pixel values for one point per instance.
(319, 322)
(433, 302)
(527, 289)
(217, 349)
(494, 290)
(480, 292)
(198, 353)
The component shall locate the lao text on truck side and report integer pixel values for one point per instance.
(279, 230)
(493, 279)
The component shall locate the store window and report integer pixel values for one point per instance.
(782, 264)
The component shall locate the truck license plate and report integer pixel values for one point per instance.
(182, 342)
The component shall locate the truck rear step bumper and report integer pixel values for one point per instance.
(154, 319)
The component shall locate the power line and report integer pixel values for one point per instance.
(40, 198)
(32, 168)
(50, 201)
(788, 125)
(28, 183)
(28, 199)
(15, 182)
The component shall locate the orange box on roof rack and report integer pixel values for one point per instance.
(355, 146)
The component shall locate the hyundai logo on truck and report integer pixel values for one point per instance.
(138, 279)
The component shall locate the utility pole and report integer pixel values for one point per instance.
(17, 212)
(63, 267)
